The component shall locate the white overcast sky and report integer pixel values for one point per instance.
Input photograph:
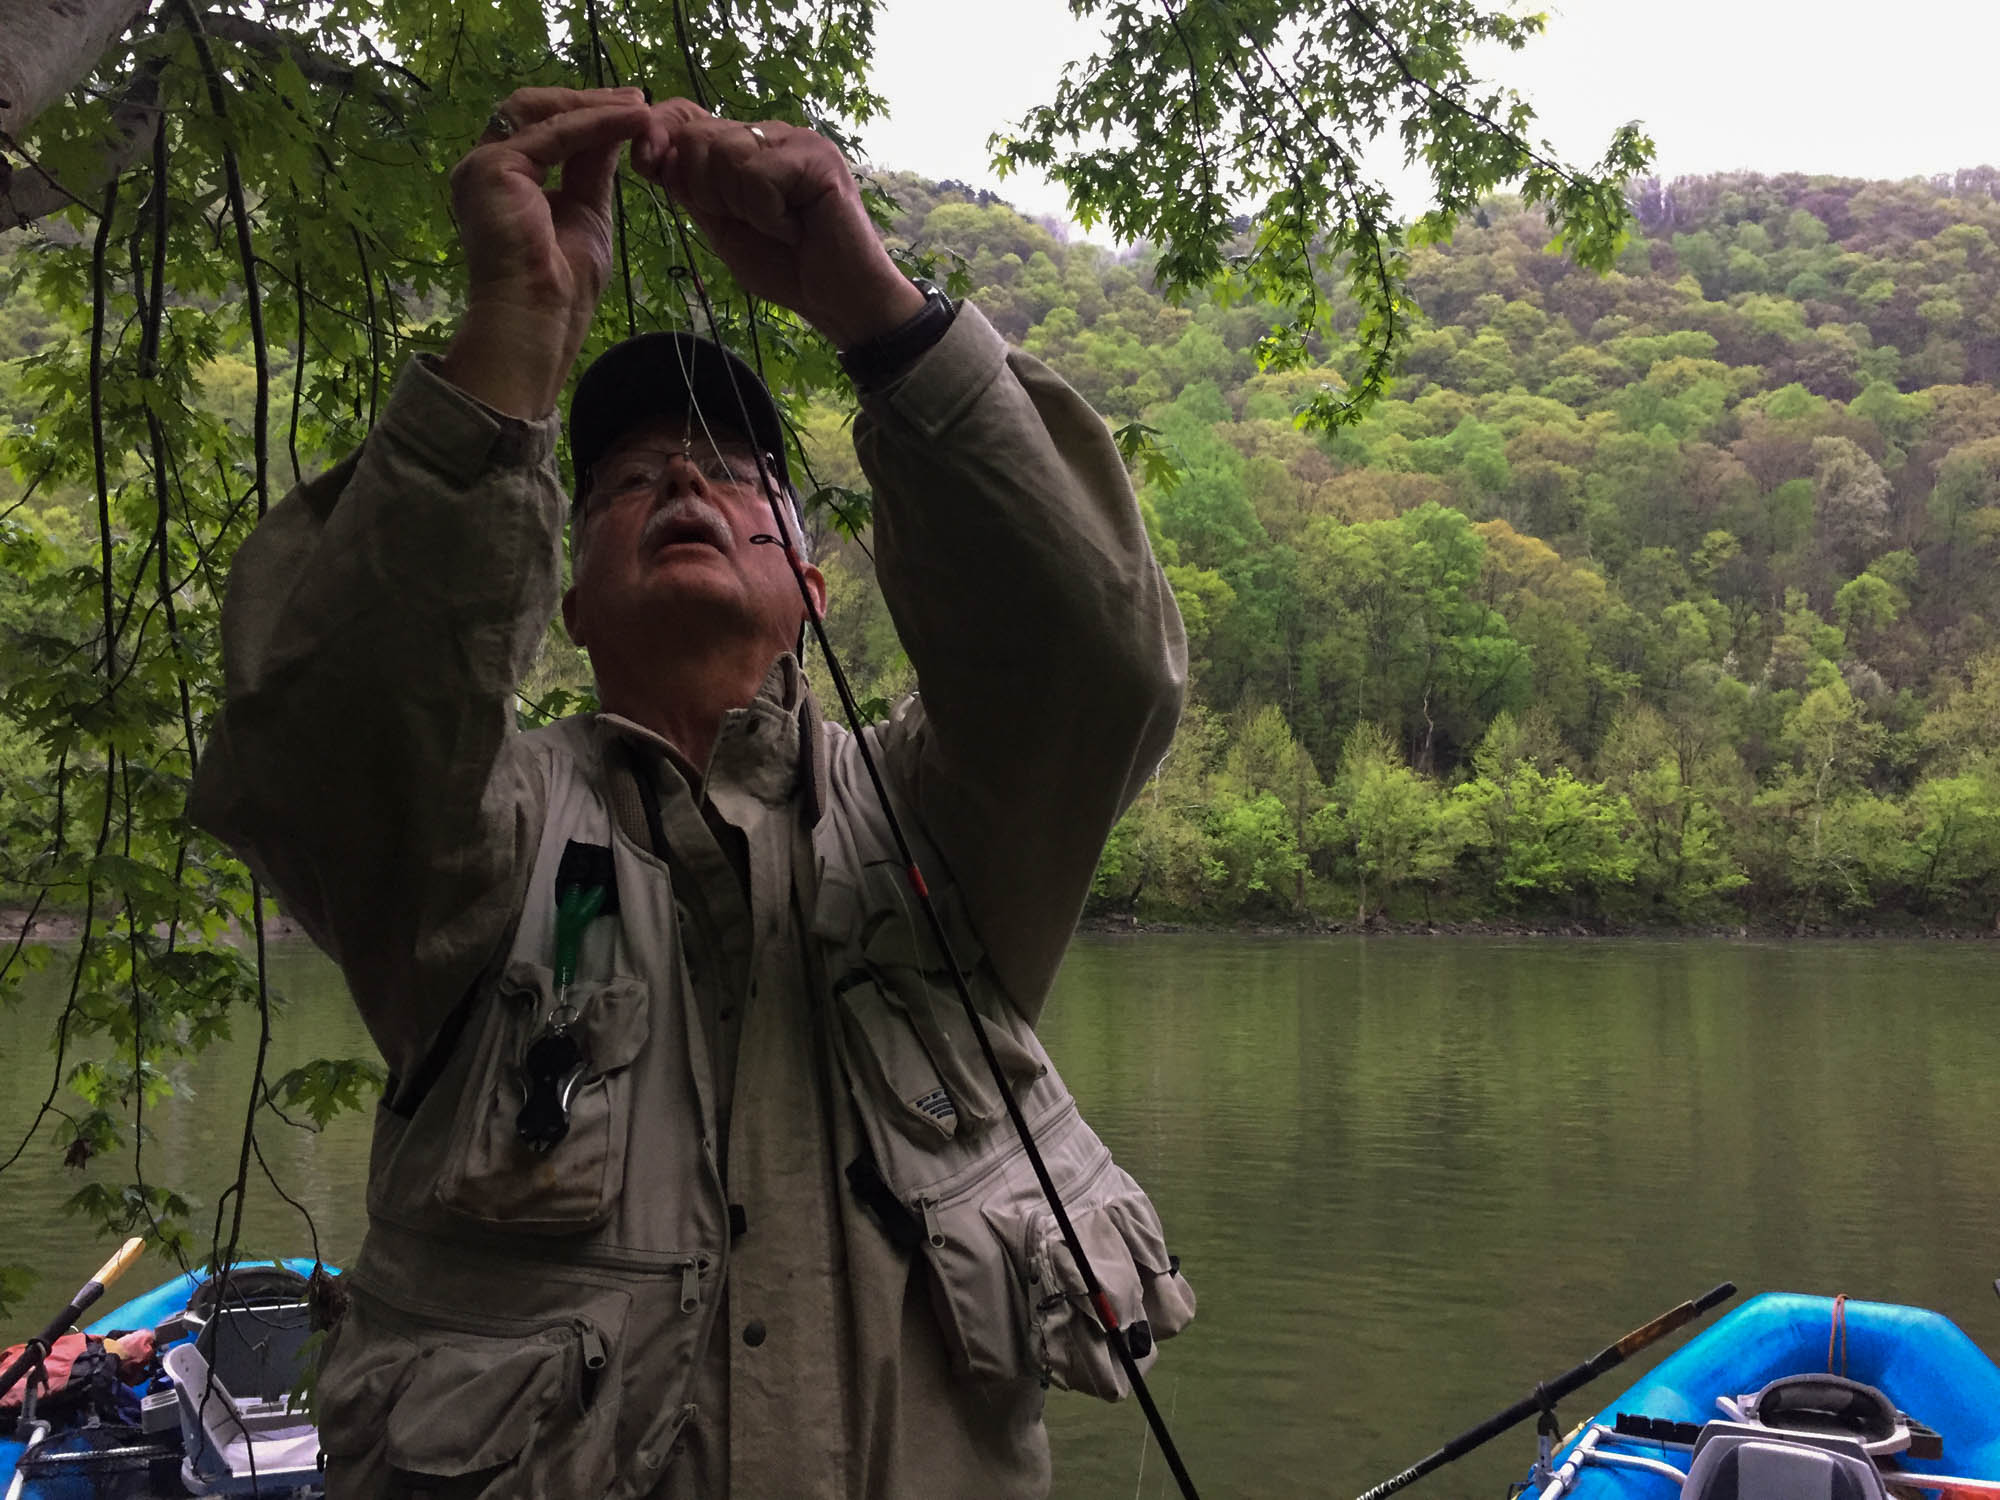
(1861, 89)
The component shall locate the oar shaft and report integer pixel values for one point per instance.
(86, 1295)
(1552, 1391)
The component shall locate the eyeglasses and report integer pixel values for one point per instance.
(644, 471)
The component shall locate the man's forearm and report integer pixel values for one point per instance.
(376, 625)
(1047, 645)
(514, 360)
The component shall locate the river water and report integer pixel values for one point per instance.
(1407, 1176)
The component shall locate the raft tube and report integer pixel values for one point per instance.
(1919, 1359)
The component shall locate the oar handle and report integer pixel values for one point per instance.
(1661, 1326)
(115, 1267)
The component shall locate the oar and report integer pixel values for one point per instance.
(37, 1348)
(1551, 1391)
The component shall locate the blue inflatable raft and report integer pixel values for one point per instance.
(216, 1418)
(1797, 1398)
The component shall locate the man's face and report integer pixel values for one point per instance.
(664, 557)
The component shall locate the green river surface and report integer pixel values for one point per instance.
(1407, 1176)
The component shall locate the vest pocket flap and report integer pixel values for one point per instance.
(613, 1020)
(355, 1387)
(1125, 1228)
(442, 1392)
(477, 1404)
(566, 1185)
(917, 1048)
(1009, 1296)
(890, 1054)
(899, 934)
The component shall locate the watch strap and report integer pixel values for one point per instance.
(881, 359)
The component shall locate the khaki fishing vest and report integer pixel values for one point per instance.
(529, 1324)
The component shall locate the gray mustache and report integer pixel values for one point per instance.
(685, 520)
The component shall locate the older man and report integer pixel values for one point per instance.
(691, 1180)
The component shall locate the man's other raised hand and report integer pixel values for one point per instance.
(536, 257)
(780, 207)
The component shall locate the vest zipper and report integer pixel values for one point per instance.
(933, 1231)
(594, 1358)
(453, 1320)
(691, 1285)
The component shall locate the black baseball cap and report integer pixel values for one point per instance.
(666, 374)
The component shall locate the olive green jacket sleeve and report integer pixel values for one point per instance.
(1050, 657)
(376, 625)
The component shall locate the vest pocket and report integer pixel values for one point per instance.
(1120, 1232)
(490, 1174)
(499, 1408)
(1007, 1292)
(920, 1058)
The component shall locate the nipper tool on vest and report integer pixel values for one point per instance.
(555, 1061)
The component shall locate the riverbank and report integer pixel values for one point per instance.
(67, 927)
(1905, 930)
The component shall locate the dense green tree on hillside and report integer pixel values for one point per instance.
(1393, 826)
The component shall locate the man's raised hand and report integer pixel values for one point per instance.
(780, 207)
(537, 257)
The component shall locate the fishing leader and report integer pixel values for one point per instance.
(690, 1179)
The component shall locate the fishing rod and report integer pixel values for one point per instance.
(37, 1349)
(1545, 1395)
(913, 877)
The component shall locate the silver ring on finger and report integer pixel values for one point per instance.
(500, 125)
(762, 139)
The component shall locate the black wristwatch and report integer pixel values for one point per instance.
(874, 364)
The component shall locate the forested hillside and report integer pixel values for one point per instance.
(1663, 596)
(1668, 595)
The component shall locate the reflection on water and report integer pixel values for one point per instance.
(192, 1142)
(1408, 1177)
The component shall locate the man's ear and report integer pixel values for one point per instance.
(816, 584)
(570, 621)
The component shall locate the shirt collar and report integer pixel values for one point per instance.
(766, 748)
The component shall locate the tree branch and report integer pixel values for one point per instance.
(271, 41)
(47, 47)
(28, 193)
(246, 251)
(32, 193)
